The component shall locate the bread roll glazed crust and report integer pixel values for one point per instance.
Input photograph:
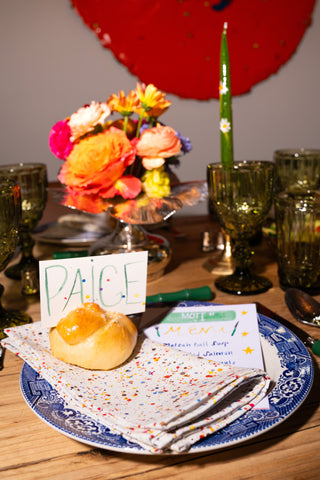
(93, 338)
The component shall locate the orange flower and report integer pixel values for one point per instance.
(97, 162)
(125, 105)
(129, 127)
(153, 102)
(156, 144)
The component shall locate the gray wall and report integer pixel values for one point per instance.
(51, 64)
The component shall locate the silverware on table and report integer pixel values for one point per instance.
(159, 305)
(200, 293)
(303, 307)
(306, 339)
(2, 350)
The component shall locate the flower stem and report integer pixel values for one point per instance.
(125, 124)
(140, 122)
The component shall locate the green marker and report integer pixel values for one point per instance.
(235, 328)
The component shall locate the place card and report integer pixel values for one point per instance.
(115, 282)
(228, 334)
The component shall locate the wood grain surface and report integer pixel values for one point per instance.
(31, 450)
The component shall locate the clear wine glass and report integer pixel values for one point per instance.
(10, 214)
(32, 178)
(241, 197)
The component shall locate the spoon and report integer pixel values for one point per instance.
(303, 307)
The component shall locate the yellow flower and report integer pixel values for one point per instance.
(153, 101)
(156, 183)
(125, 105)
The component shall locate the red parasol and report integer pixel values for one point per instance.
(175, 44)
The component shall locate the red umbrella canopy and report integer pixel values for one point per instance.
(176, 44)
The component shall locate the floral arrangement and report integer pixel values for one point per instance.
(107, 159)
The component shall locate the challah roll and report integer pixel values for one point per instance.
(93, 338)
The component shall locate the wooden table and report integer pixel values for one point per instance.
(30, 449)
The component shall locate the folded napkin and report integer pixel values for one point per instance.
(162, 398)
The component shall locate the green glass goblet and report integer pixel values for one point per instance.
(10, 213)
(32, 178)
(241, 197)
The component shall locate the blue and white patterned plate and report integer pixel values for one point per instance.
(287, 361)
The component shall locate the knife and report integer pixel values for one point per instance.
(161, 304)
(201, 293)
(2, 350)
(306, 339)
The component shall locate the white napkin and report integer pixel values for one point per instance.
(162, 398)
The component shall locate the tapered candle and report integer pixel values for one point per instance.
(226, 139)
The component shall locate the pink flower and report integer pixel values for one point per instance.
(156, 144)
(59, 140)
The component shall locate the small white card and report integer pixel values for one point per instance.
(228, 334)
(115, 282)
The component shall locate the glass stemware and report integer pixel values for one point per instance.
(241, 197)
(127, 238)
(32, 178)
(10, 213)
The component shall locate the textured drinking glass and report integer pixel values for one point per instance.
(241, 197)
(298, 240)
(296, 170)
(32, 178)
(10, 213)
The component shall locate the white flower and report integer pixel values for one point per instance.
(150, 163)
(223, 88)
(225, 125)
(86, 118)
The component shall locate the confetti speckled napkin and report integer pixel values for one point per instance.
(161, 398)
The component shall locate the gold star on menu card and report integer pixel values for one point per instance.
(244, 334)
(248, 350)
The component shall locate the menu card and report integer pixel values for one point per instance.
(228, 334)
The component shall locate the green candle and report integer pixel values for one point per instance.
(226, 139)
